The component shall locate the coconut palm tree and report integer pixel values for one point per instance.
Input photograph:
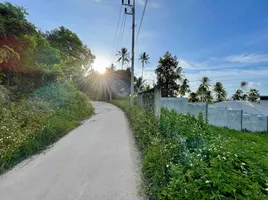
(203, 89)
(238, 95)
(123, 56)
(139, 84)
(253, 95)
(208, 96)
(219, 92)
(144, 58)
(193, 97)
(243, 85)
(184, 87)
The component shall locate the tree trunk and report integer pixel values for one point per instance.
(142, 70)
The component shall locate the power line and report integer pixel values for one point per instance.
(120, 34)
(145, 5)
(116, 34)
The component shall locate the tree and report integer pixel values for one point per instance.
(139, 84)
(238, 95)
(113, 67)
(77, 57)
(184, 88)
(208, 97)
(219, 92)
(147, 87)
(203, 89)
(243, 84)
(124, 57)
(144, 58)
(193, 97)
(253, 95)
(168, 75)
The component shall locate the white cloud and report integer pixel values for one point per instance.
(250, 58)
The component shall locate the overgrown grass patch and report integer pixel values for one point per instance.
(185, 158)
(29, 125)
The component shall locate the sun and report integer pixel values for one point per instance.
(100, 65)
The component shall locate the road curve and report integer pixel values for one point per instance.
(96, 161)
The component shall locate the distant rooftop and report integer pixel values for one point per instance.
(246, 106)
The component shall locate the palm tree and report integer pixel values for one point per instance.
(238, 95)
(113, 67)
(253, 95)
(123, 56)
(243, 85)
(208, 97)
(147, 87)
(203, 89)
(139, 84)
(184, 88)
(219, 92)
(193, 97)
(144, 58)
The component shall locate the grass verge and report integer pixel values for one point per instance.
(30, 124)
(185, 158)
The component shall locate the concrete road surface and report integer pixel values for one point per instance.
(96, 161)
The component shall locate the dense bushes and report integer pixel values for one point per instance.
(29, 125)
(185, 158)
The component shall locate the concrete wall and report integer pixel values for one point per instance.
(196, 108)
(255, 122)
(264, 102)
(150, 101)
(234, 119)
(177, 104)
(217, 116)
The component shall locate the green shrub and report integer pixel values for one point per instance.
(185, 158)
(29, 125)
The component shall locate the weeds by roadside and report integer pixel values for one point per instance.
(185, 158)
(29, 125)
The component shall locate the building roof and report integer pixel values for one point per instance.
(246, 106)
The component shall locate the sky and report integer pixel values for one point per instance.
(225, 40)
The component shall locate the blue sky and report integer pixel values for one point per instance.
(226, 40)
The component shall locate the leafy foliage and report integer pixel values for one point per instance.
(184, 88)
(29, 125)
(203, 90)
(27, 52)
(185, 158)
(220, 92)
(168, 74)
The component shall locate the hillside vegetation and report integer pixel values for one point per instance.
(30, 124)
(185, 158)
(38, 72)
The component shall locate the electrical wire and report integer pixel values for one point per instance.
(116, 34)
(120, 34)
(145, 5)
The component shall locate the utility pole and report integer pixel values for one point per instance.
(132, 12)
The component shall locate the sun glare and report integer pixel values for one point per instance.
(100, 65)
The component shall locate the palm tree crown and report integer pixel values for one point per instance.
(139, 84)
(144, 58)
(203, 90)
(124, 57)
(219, 92)
(184, 88)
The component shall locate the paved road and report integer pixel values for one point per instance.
(96, 161)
